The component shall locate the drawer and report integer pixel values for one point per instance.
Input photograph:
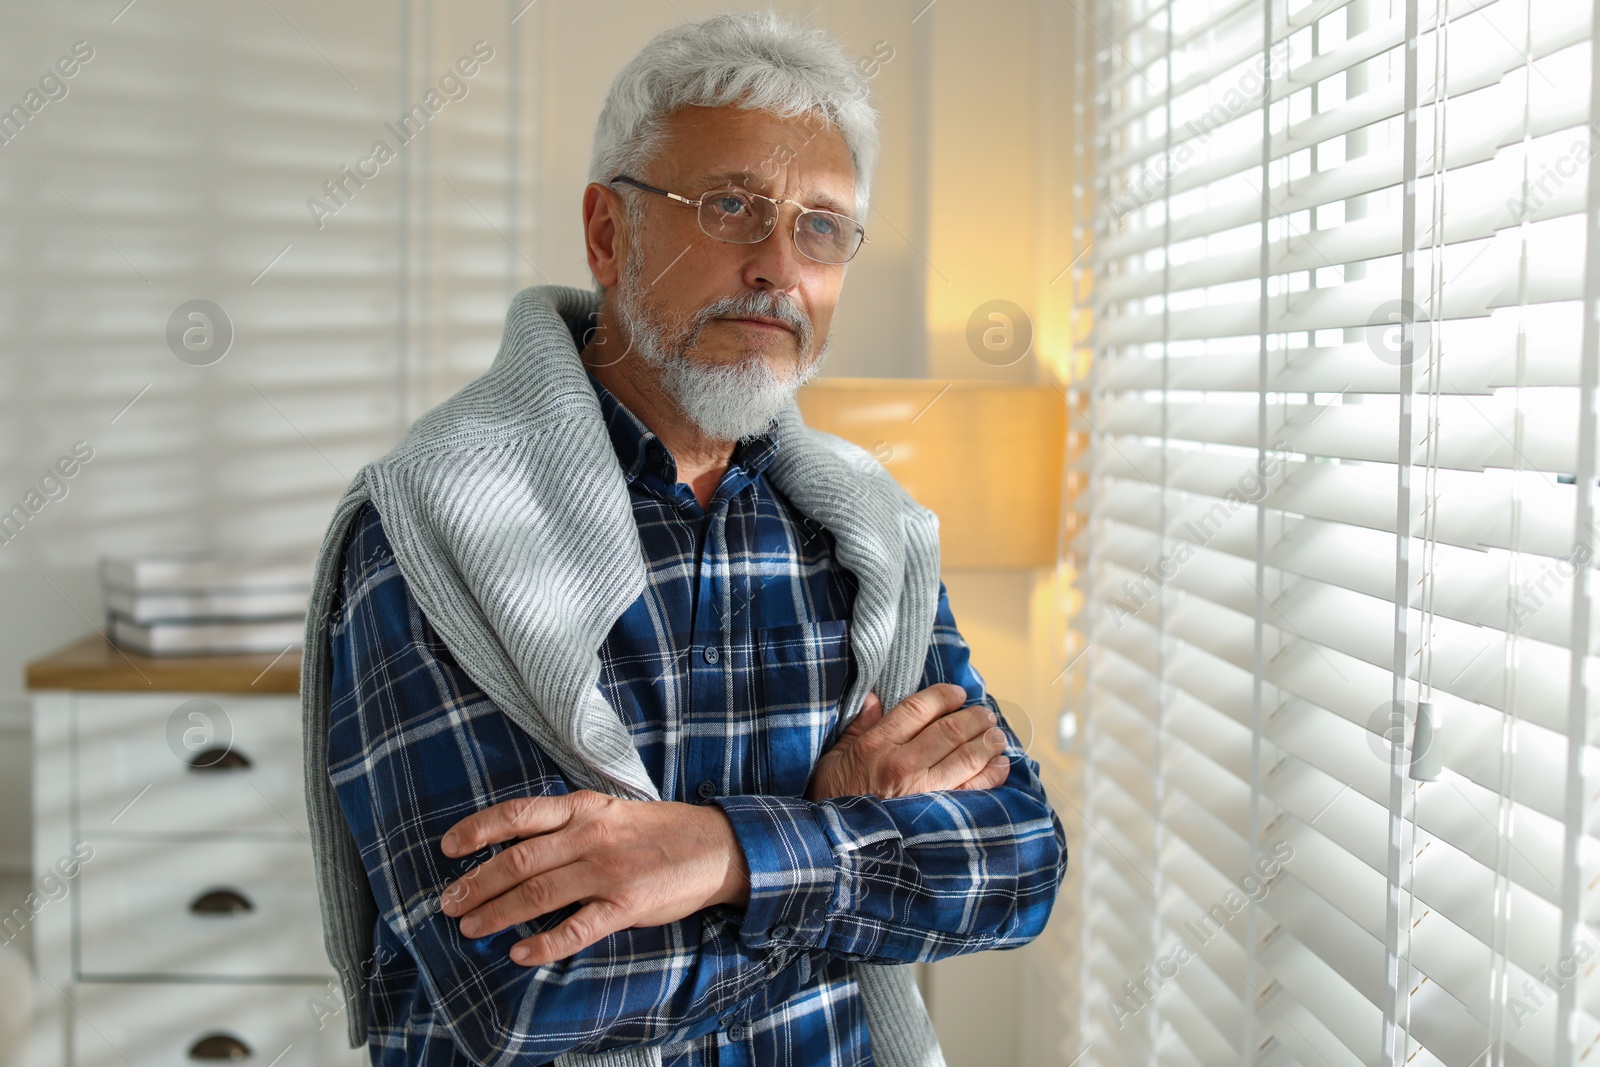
(160, 1025)
(187, 763)
(200, 909)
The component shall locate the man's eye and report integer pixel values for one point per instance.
(728, 204)
(823, 225)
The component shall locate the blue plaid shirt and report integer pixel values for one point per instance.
(728, 670)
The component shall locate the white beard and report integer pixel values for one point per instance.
(727, 403)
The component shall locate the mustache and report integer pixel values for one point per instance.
(760, 303)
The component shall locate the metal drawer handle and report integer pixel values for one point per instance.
(219, 1047)
(221, 902)
(217, 758)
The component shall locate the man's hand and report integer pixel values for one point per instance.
(632, 863)
(921, 746)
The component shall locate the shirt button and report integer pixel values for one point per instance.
(712, 655)
(782, 930)
(728, 1022)
(707, 789)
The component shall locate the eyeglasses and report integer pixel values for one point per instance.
(745, 218)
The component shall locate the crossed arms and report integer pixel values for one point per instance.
(648, 921)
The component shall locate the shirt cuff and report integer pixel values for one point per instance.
(792, 872)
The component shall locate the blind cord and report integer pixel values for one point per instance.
(1500, 979)
(1426, 738)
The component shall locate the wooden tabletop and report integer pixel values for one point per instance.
(94, 663)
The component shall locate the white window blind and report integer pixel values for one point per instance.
(1342, 407)
(226, 153)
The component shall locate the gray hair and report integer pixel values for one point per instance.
(759, 60)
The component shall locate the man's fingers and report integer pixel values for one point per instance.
(527, 900)
(969, 759)
(503, 872)
(994, 774)
(945, 735)
(582, 928)
(522, 817)
(907, 718)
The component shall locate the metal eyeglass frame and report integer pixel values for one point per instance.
(804, 211)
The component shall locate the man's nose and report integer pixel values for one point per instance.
(775, 262)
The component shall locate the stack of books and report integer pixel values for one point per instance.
(193, 605)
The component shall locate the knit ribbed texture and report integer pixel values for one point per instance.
(510, 520)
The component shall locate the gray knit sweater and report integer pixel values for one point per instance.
(510, 520)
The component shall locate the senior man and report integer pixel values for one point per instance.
(584, 779)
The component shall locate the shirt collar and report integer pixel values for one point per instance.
(639, 449)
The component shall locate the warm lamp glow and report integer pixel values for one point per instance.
(987, 457)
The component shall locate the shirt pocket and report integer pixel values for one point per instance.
(802, 671)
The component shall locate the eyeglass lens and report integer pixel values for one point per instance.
(732, 215)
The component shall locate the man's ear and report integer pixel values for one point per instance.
(603, 233)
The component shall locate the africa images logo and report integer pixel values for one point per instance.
(1254, 886)
(453, 85)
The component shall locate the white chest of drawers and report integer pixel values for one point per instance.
(175, 919)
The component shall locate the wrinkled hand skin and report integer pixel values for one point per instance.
(651, 862)
(632, 863)
(922, 745)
